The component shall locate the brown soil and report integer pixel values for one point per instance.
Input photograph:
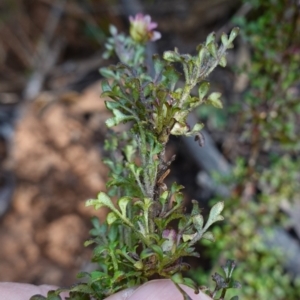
(58, 166)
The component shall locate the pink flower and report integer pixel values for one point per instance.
(141, 29)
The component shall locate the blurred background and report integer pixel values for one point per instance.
(52, 133)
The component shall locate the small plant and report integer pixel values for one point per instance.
(223, 283)
(147, 232)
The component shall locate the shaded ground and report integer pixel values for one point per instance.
(57, 167)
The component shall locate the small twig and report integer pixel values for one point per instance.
(46, 56)
(36, 81)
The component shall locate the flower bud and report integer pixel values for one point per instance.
(141, 29)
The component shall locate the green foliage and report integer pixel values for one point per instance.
(139, 241)
(273, 104)
(267, 179)
(145, 244)
(244, 234)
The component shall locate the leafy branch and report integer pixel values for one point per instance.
(138, 241)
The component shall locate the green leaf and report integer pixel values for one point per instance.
(233, 34)
(139, 265)
(158, 250)
(188, 237)
(80, 295)
(179, 129)
(203, 89)
(229, 268)
(224, 39)
(141, 229)
(198, 222)
(111, 217)
(223, 61)
(134, 86)
(214, 100)
(148, 89)
(176, 187)
(146, 253)
(81, 287)
(107, 73)
(212, 48)
(196, 209)
(214, 215)
(163, 198)
(210, 38)
(110, 105)
(197, 127)
(202, 54)
(118, 276)
(180, 116)
(171, 56)
(103, 200)
(95, 275)
(177, 278)
(158, 64)
(88, 243)
(174, 216)
(118, 118)
(171, 76)
(147, 203)
(216, 210)
(123, 202)
(99, 250)
(129, 151)
(113, 236)
(98, 228)
(208, 236)
(105, 86)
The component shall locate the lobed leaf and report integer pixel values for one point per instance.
(224, 39)
(208, 236)
(212, 48)
(233, 34)
(203, 89)
(103, 200)
(210, 38)
(123, 202)
(214, 214)
(198, 222)
(223, 61)
(105, 86)
(171, 56)
(107, 73)
(157, 250)
(111, 218)
(197, 127)
(214, 100)
(118, 118)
